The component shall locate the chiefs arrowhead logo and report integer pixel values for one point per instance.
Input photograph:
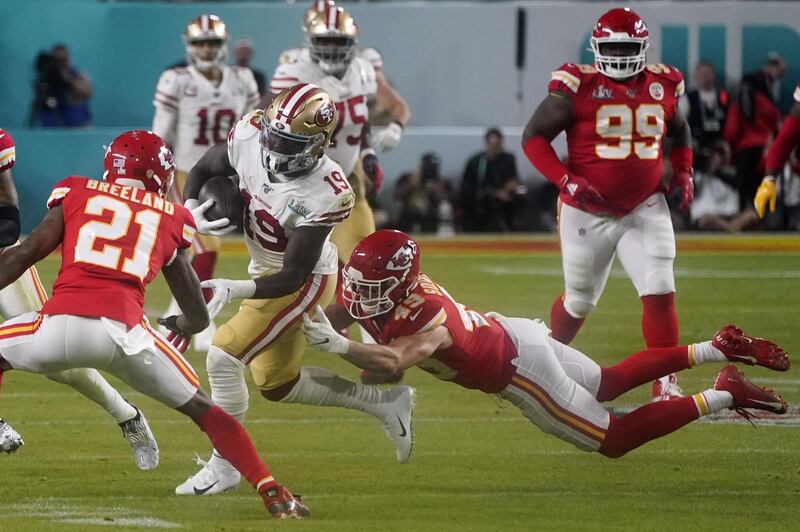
(403, 257)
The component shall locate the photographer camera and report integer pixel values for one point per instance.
(62, 91)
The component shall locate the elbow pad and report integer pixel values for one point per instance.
(9, 225)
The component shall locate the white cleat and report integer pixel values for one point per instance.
(10, 440)
(666, 388)
(209, 480)
(397, 419)
(202, 340)
(143, 443)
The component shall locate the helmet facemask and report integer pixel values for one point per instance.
(193, 55)
(333, 53)
(626, 58)
(366, 298)
(286, 153)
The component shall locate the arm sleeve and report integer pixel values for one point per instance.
(167, 91)
(164, 122)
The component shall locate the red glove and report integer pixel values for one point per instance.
(580, 190)
(681, 159)
(371, 166)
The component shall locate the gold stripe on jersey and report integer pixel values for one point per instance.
(567, 79)
(680, 89)
(57, 194)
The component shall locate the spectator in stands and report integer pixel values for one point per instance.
(716, 202)
(243, 53)
(61, 91)
(424, 197)
(751, 122)
(489, 186)
(705, 107)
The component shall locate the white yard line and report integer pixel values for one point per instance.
(617, 273)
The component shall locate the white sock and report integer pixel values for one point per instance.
(93, 386)
(711, 401)
(705, 352)
(320, 387)
(228, 391)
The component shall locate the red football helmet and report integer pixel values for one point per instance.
(624, 27)
(381, 272)
(141, 159)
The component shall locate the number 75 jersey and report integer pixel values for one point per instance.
(275, 209)
(617, 127)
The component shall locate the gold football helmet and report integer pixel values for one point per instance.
(295, 130)
(206, 29)
(317, 7)
(332, 38)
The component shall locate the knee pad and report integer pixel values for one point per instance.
(226, 377)
(577, 307)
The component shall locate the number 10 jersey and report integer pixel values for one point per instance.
(614, 140)
(275, 209)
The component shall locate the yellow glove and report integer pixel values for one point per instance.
(766, 193)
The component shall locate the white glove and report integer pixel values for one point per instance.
(388, 138)
(225, 291)
(204, 226)
(321, 334)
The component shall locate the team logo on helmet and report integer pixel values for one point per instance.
(165, 157)
(403, 258)
(324, 115)
(657, 91)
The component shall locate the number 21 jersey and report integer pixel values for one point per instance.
(617, 126)
(116, 239)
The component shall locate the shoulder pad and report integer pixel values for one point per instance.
(669, 74)
(567, 78)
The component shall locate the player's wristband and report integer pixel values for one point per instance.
(544, 158)
(9, 225)
(682, 159)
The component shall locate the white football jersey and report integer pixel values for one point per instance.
(369, 54)
(204, 112)
(350, 95)
(276, 209)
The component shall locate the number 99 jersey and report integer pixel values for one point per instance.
(275, 209)
(615, 138)
(116, 239)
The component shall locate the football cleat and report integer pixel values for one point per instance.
(282, 504)
(396, 417)
(666, 388)
(10, 440)
(143, 444)
(209, 481)
(750, 350)
(748, 395)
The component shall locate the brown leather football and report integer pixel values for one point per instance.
(228, 202)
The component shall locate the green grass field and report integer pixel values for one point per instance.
(477, 464)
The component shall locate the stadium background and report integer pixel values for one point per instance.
(454, 62)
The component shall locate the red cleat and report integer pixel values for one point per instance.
(748, 395)
(282, 504)
(750, 350)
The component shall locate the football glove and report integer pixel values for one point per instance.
(372, 168)
(388, 138)
(178, 338)
(225, 291)
(766, 193)
(580, 190)
(321, 334)
(204, 226)
(682, 180)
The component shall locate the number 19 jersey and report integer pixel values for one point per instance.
(617, 126)
(116, 239)
(275, 209)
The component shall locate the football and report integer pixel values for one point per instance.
(228, 202)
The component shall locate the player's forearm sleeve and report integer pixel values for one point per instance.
(544, 158)
(681, 158)
(9, 226)
(787, 139)
(164, 125)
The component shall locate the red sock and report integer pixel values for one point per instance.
(563, 325)
(647, 423)
(234, 445)
(640, 368)
(203, 264)
(659, 320)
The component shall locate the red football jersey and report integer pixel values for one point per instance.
(482, 351)
(116, 239)
(8, 151)
(615, 138)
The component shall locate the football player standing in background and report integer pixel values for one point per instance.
(26, 294)
(195, 108)
(612, 202)
(294, 196)
(788, 138)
